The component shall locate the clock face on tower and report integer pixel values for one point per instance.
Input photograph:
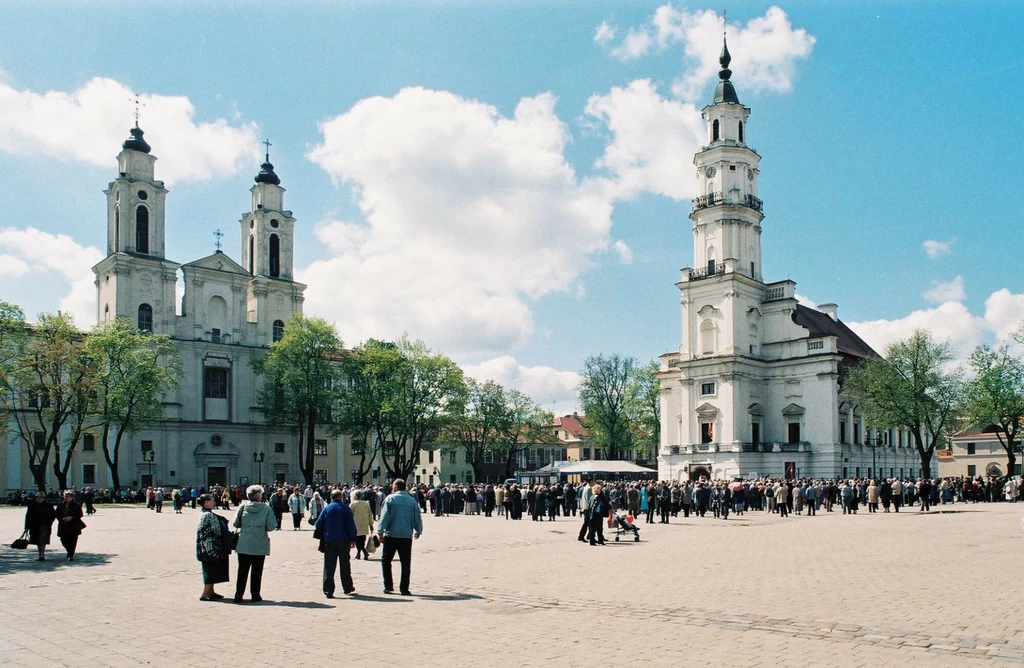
(709, 172)
(750, 175)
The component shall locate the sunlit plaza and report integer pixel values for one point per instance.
(913, 589)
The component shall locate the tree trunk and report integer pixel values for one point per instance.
(306, 455)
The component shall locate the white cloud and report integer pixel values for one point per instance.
(936, 249)
(624, 251)
(804, 301)
(766, 49)
(553, 389)
(604, 33)
(12, 266)
(951, 321)
(1004, 313)
(89, 124)
(653, 141)
(59, 254)
(635, 45)
(946, 291)
(469, 215)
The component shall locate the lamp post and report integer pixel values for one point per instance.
(148, 456)
(257, 458)
(875, 442)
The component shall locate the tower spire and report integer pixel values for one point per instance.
(267, 174)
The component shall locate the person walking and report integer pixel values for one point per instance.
(781, 497)
(278, 504)
(69, 523)
(873, 497)
(400, 523)
(213, 548)
(363, 517)
(296, 506)
(316, 506)
(339, 534)
(254, 520)
(39, 518)
(600, 511)
(586, 505)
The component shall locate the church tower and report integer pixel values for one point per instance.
(727, 213)
(135, 280)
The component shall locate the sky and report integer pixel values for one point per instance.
(511, 181)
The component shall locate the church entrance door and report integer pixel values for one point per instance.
(697, 471)
(216, 475)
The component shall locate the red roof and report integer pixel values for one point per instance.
(573, 425)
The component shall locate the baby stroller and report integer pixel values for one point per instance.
(623, 524)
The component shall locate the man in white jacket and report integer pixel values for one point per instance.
(586, 497)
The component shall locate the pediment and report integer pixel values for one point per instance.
(707, 410)
(217, 262)
(793, 409)
(755, 409)
(208, 449)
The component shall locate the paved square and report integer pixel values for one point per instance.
(908, 589)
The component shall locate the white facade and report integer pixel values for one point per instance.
(229, 314)
(755, 387)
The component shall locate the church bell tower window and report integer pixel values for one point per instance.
(715, 130)
(252, 252)
(278, 330)
(145, 318)
(741, 132)
(142, 230)
(275, 256)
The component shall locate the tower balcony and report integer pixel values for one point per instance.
(718, 198)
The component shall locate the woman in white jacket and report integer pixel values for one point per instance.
(296, 506)
(316, 506)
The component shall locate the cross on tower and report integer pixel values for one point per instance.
(137, 105)
(267, 143)
(725, 19)
(218, 235)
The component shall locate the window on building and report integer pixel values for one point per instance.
(488, 458)
(707, 432)
(451, 456)
(842, 431)
(430, 456)
(794, 433)
(89, 443)
(252, 253)
(586, 453)
(707, 388)
(145, 318)
(741, 132)
(972, 470)
(38, 440)
(215, 335)
(275, 256)
(856, 432)
(147, 446)
(279, 448)
(279, 478)
(971, 449)
(88, 474)
(453, 478)
(755, 433)
(278, 330)
(320, 476)
(469, 476)
(215, 384)
(142, 230)
(597, 453)
(320, 447)
(715, 130)
(711, 267)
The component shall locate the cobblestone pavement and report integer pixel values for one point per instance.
(913, 589)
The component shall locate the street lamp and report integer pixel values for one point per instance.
(875, 442)
(148, 456)
(257, 458)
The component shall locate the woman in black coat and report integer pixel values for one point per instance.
(39, 517)
(69, 523)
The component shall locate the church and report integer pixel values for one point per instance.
(213, 431)
(756, 387)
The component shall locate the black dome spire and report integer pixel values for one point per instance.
(267, 174)
(136, 143)
(725, 91)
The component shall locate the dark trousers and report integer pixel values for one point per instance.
(783, 510)
(246, 562)
(336, 552)
(70, 544)
(596, 529)
(585, 530)
(159, 506)
(812, 505)
(664, 508)
(896, 503)
(403, 547)
(361, 547)
(650, 512)
(297, 520)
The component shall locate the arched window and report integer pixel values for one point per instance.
(707, 337)
(275, 256)
(142, 230)
(117, 228)
(741, 132)
(711, 260)
(278, 330)
(252, 249)
(715, 132)
(145, 318)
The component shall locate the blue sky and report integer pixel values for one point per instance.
(509, 181)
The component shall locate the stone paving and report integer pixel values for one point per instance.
(914, 589)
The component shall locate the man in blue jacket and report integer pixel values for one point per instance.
(339, 534)
(400, 522)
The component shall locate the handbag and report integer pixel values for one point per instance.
(21, 543)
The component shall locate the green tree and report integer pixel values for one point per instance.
(643, 408)
(995, 397)
(370, 371)
(12, 337)
(134, 370)
(605, 398)
(303, 383)
(47, 388)
(475, 429)
(522, 424)
(912, 386)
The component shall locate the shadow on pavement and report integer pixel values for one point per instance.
(379, 599)
(287, 604)
(15, 561)
(448, 597)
